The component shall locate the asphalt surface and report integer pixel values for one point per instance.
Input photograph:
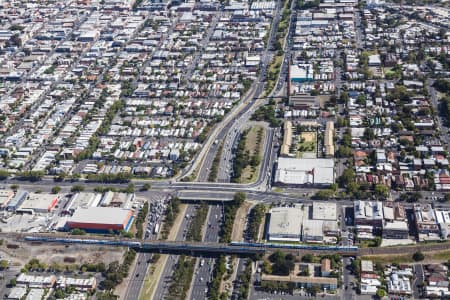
(166, 275)
(142, 260)
(418, 281)
(203, 273)
(252, 102)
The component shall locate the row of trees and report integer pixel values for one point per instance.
(215, 165)
(30, 175)
(245, 279)
(443, 86)
(181, 278)
(4, 174)
(255, 218)
(170, 215)
(230, 213)
(140, 220)
(110, 178)
(214, 287)
(195, 227)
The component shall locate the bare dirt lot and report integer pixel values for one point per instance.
(55, 253)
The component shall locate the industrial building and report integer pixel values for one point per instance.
(293, 224)
(18, 199)
(38, 203)
(301, 72)
(324, 211)
(100, 219)
(303, 100)
(304, 171)
(84, 200)
(285, 224)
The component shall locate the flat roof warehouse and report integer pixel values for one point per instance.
(101, 219)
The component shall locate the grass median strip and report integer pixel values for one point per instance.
(215, 165)
(170, 215)
(181, 279)
(195, 228)
(153, 276)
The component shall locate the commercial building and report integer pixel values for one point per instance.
(301, 72)
(425, 222)
(313, 231)
(285, 224)
(36, 281)
(81, 284)
(303, 172)
(116, 199)
(324, 211)
(368, 213)
(38, 203)
(100, 219)
(443, 219)
(294, 224)
(395, 225)
(84, 200)
(303, 100)
(17, 293)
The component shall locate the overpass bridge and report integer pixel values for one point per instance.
(208, 196)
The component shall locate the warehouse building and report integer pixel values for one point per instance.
(285, 224)
(294, 224)
(100, 219)
(84, 200)
(20, 197)
(38, 203)
(324, 211)
(304, 171)
(303, 100)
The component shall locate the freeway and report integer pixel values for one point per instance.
(204, 269)
(166, 275)
(143, 258)
(243, 112)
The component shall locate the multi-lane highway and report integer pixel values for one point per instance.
(242, 113)
(203, 273)
(166, 275)
(143, 259)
